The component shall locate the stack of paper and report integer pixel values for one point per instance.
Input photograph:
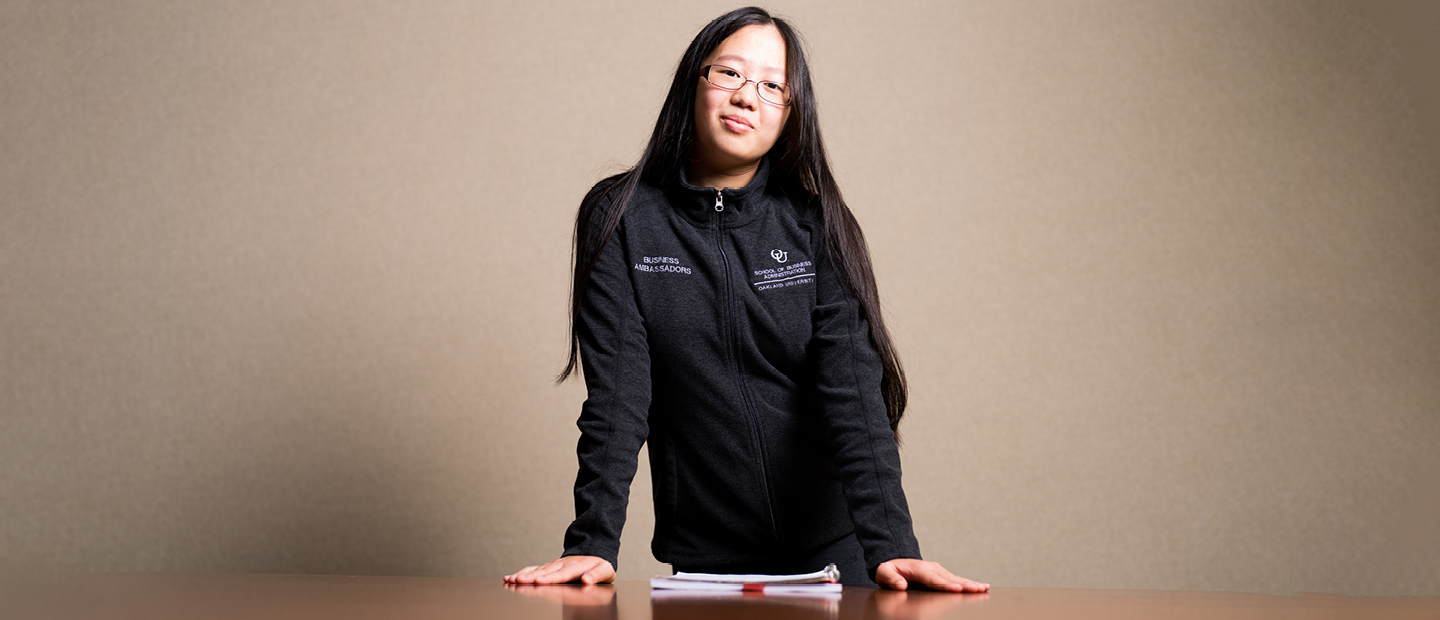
(821, 581)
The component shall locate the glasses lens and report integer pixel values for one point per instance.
(730, 79)
(724, 77)
(774, 92)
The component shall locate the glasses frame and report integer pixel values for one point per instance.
(705, 75)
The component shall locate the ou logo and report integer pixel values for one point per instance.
(779, 255)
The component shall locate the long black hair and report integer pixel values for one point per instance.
(798, 158)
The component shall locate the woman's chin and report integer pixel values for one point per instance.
(739, 156)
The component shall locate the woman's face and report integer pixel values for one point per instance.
(734, 129)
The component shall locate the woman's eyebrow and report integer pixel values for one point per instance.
(743, 61)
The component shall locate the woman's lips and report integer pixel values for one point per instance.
(737, 124)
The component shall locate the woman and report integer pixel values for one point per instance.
(724, 310)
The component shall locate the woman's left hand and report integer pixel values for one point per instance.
(899, 574)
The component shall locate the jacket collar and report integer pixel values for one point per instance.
(741, 205)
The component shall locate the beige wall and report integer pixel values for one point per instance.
(284, 284)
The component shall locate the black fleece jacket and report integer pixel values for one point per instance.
(714, 327)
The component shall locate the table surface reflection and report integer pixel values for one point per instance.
(234, 596)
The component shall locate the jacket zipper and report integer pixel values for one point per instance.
(739, 373)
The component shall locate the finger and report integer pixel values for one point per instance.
(554, 574)
(541, 575)
(887, 576)
(970, 585)
(600, 573)
(944, 579)
(515, 576)
(935, 576)
(567, 570)
(964, 585)
(959, 584)
(525, 571)
(923, 573)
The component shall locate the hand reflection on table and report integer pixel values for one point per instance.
(578, 602)
(902, 604)
(672, 605)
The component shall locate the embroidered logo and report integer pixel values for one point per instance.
(792, 274)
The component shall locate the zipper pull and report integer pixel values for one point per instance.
(719, 201)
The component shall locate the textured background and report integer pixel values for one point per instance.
(284, 283)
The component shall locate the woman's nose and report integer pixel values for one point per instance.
(746, 96)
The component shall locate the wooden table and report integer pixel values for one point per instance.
(234, 596)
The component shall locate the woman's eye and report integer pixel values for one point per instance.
(772, 86)
(729, 73)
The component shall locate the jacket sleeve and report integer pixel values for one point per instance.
(613, 421)
(852, 411)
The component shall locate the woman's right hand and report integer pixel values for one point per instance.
(582, 568)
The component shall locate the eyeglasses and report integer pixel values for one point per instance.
(725, 78)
